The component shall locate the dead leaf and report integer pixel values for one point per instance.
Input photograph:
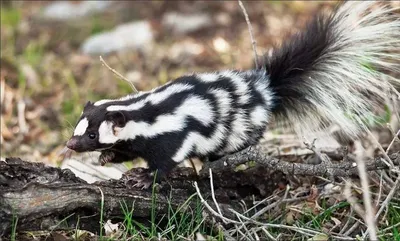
(290, 218)
(313, 194)
(111, 228)
(319, 237)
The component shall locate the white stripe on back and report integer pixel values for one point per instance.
(154, 98)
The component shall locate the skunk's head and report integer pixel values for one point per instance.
(97, 129)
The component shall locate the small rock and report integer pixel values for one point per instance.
(134, 76)
(221, 45)
(65, 10)
(184, 50)
(134, 35)
(223, 19)
(185, 23)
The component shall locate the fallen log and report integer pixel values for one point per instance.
(42, 197)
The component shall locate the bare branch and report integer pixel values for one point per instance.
(212, 193)
(118, 74)
(393, 140)
(253, 41)
(212, 211)
(385, 203)
(337, 169)
(369, 212)
(385, 155)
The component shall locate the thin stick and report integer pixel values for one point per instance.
(245, 228)
(23, 127)
(305, 231)
(393, 140)
(118, 74)
(204, 202)
(385, 155)
(353, 201)
(386, 202)
(388, 198)
(253, 41)
(369, 211)
(275, 204)
(378, 199)
(101, 212)
(347, 224)
(268, 234)
(212, 193)
(390, 227)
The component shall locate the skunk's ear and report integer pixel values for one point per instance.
(116, 117)
(87, 105)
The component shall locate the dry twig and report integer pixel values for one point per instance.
(341, 169)
(204, 202)
(23, 126)
(385, 155)
(118, 74)
(253, 41)
(392, 142)
(385, 203)
(245, 221)
(212, 192)
(369, 212)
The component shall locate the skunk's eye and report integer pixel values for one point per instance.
(92, 135)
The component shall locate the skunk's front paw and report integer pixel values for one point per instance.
(138, 177)
(106, 157)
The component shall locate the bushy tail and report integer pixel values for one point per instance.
(338, 69)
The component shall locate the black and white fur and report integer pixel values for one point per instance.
(316, 78)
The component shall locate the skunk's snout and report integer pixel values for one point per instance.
(72, 143)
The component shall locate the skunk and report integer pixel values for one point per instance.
(332, 72)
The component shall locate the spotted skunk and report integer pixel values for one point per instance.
(333, 72)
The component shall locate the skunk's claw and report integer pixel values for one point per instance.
(106, 157)
(140, 178)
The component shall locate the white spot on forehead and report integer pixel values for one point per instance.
(80, 129)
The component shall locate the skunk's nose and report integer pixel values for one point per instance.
(72, 143)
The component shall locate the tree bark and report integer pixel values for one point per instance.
(41, 197)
